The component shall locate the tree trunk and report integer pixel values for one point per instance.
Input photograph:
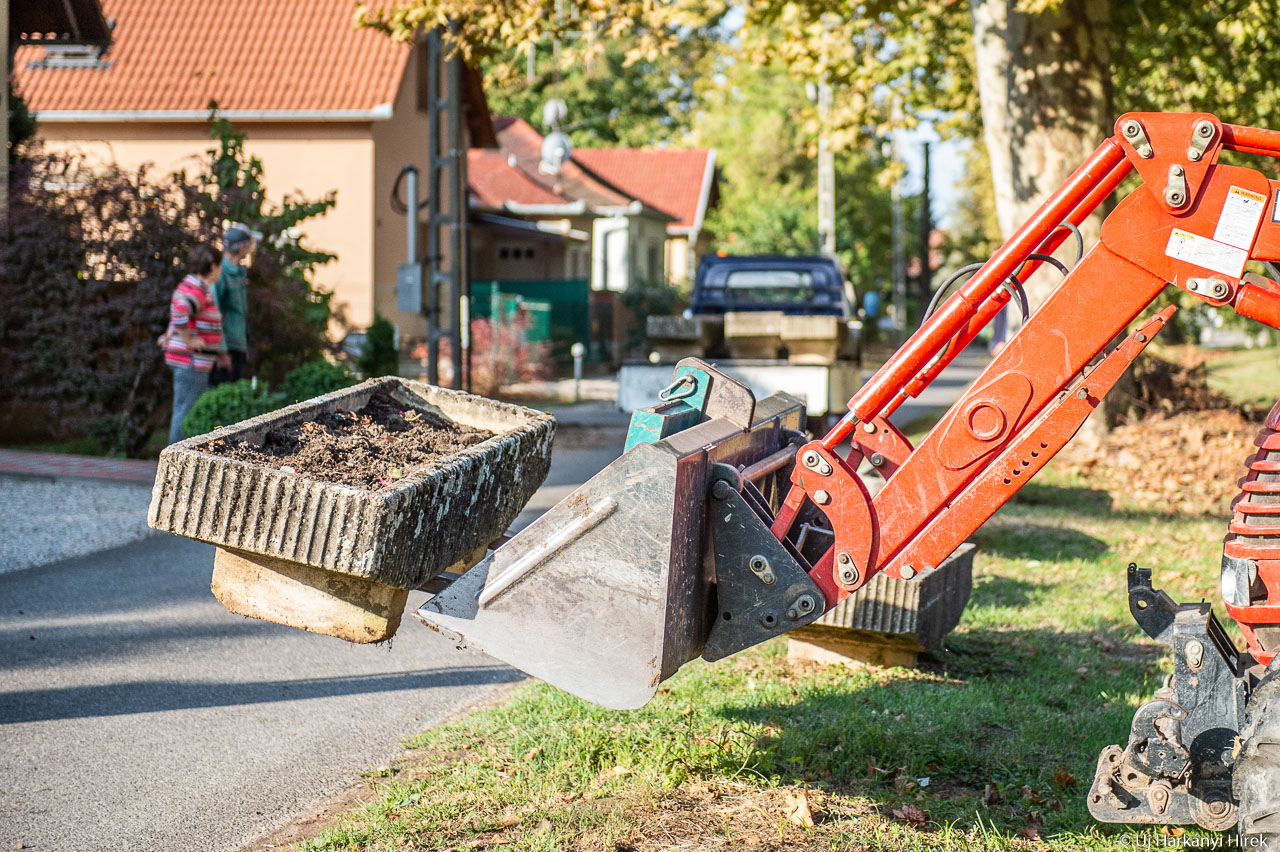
(1045, 86)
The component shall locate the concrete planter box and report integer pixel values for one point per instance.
(890, 620)
(334, 558)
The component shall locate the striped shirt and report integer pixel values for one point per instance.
(193, 309)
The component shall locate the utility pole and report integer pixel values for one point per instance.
(925, 284)
(899, 253)
(826, 174)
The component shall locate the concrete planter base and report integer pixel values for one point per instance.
(313, 599)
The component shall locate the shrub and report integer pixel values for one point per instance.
(227, 404)
(502, 355)
(379, 356)
(315, 379)
(88, 260)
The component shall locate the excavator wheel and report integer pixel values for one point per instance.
(1256, 781)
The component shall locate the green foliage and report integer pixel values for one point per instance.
(650, 299)
(313, 379)
(768, 195)
(609, 102)
(86, 273)
(379, 356)
(87, 270)
(22, 124)
(227, 404)
(288, 318)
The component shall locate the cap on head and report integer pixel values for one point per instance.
(237, 236)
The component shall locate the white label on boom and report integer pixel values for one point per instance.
(1241, 215)
(1205, 252)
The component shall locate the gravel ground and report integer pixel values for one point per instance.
(43, 521)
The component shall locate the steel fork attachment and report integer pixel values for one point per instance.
(1177, 766)
(663, 556)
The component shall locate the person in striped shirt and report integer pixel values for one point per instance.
(194, 335)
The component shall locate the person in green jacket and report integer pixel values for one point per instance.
(229, 292)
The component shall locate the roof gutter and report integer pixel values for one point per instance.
(574, 208)
(381, 112)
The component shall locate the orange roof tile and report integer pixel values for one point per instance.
(249, 55)
(493, 182)
(672, 180)
(518, 138)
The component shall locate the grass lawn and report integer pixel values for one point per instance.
(1240, 374)
(991, 744)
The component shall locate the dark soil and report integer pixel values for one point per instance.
(372, 448)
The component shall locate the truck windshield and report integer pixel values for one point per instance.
(769, 287)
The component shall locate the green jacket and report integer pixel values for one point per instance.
(229, 293)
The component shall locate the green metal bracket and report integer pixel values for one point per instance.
(682, 405)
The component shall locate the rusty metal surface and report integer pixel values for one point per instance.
(400, 536)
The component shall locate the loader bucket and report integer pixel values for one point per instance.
(611, 591)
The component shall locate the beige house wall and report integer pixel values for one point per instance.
(396, 143)
(301, 159)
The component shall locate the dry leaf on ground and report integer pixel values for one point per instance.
(799, 810)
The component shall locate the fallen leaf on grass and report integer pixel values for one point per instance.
(799, 811)
(910, 814)
(532, 753)
(1063, 778)
(991, 795)
(751, 840)
(1029, 832)
(622, 770)
(508, 820)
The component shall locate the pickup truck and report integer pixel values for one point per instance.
(772, 321)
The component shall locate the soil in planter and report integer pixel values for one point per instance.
(372, 448)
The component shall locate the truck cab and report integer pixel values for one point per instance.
(800, 285)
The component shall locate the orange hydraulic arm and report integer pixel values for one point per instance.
(1193, 223)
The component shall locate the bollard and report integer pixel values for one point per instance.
(577, 350)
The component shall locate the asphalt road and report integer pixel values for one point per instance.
(136, 713)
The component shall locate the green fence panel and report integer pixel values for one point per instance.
(562, 313)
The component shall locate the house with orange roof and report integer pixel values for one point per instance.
(325, 106)
(613, 215)
(599, 221)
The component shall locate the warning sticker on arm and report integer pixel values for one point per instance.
(1241, 215)
(1205, 252)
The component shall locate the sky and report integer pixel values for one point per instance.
(946, 168)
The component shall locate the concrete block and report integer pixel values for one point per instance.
(677, 337)
(813, 339)
(753, 334)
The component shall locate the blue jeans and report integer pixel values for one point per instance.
(188, 384)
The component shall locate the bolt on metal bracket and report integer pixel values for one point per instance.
(1175, 191)
(1137, 137)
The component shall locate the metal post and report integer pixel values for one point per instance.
(826, 174)
(430, 298)
(925, 284)
(577, 350)
(899, 263)
(458, 214)
(411, 182)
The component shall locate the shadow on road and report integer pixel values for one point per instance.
(116, 699)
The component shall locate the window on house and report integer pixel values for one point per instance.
(71, 56)
(655, 266)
